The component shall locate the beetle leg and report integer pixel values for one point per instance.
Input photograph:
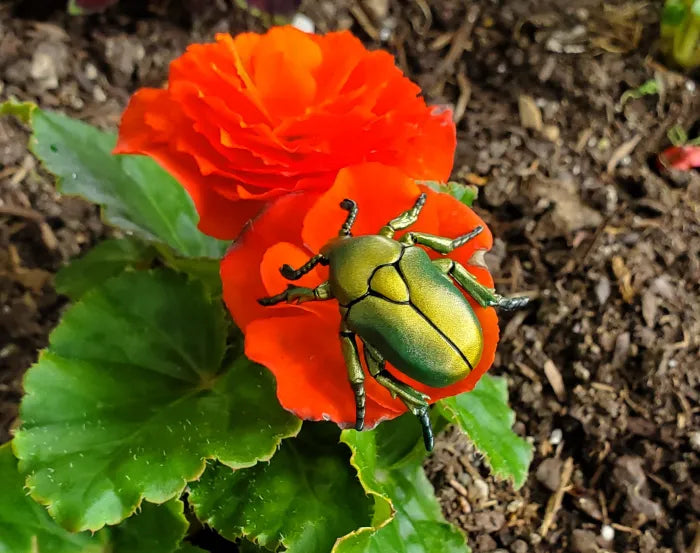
(405, 220)
(356, 375)
(415, 401)
(299, 294)
(439, 243)
(485, 297)
(290, 273)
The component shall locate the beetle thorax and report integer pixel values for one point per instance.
(353, 262)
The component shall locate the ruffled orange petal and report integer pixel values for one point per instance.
(303, 352)
(240, 268)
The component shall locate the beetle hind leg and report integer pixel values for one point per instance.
(415, 401)
(486, 297)
(356, 375)
(299, 294)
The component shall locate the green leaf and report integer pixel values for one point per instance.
(109, 258)
(132, 395)
(407, 516)
(647, 88)
(156, 529)
(304, 499)
(674, 12)
(462, 192)
(26, 527)
(677, 135)
(136, 194)
(695, 8)
(188, 548)
(21, 110)
(205, 270)
(483, 414)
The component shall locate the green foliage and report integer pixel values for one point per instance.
(647, 88)
(680, 32)
(83, 7)
(483, 414)
(138, 391)
(21, 110)
(132, 396)
(305, 498)
(135, 193)
(407, 515)
(155, 529)
(26, 527)
(464, 193)
(107, 259)
(678, 137)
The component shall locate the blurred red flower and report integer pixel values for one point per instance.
(300, 343)
(255, 117)
(683, 158)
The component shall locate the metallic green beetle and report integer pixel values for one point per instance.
(403, 306)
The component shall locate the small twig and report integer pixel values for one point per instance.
(554, 502)
(465, 92)
(695, 546)
(628, 529)
(18, 211)
(625, 149)
(459, 41)
(364, 22)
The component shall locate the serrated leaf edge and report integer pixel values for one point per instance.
(142, 497)
(371, 530)
(453, 417)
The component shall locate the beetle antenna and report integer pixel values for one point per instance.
(351, 207)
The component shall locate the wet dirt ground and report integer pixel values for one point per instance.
(604, 367)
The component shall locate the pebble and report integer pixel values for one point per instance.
(583, 541)
(479, 490)
(519, 546)
(556, 437)
(490, 521)
(485, 544)
(607, 532)
(303, 23)
(549, 473)
(695, 440)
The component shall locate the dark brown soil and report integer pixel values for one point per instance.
(604, 367)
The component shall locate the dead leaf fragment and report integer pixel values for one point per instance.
(476, 180)
(555, 380)
(624, 278)
(530, 114)
(622, 151)
(630, 473)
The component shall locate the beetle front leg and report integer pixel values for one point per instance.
(415, 401)
(299, 294)
(405, 220)
(439, 243)
(356, 375)
(290, 273)
(485, 297)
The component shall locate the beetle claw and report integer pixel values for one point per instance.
(287, 271)
(514, 303)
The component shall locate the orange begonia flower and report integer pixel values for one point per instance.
(255, 117)
(300, 343)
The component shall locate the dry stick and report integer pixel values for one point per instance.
(459, 41)
(695, 546)
(554, 502)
